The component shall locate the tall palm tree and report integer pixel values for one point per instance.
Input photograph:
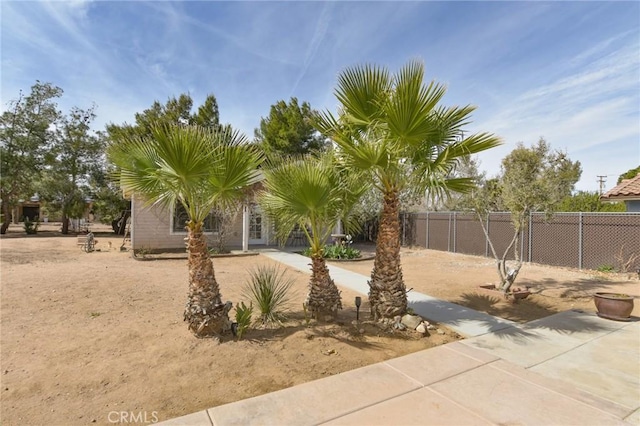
(392, 127)
(201, 169)
(312, 193)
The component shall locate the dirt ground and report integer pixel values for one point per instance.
(87, 336)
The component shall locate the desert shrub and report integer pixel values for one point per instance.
(336, 251)
(243, 318)
(606, 268)
(31, 227)
(269, 289)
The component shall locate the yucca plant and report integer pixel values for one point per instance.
(269, 289)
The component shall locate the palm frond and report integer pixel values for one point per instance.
(361, 90)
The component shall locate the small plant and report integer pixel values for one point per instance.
(215, 251)
(269, 289)
(31, 227)
(307, 315)
(606, 268)
(336, 251)
(95, 314)
(243, 318)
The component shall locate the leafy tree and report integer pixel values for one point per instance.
(532, 179)
(201, 169)
(312, 194)
(391, 127)
(175, 111)
(288, 130)
(588, 201)
(629, 174)
(75, 155)
(25, 133)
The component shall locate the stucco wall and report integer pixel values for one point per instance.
(151, 230)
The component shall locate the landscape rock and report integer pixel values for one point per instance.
(422, 329)
(431, 327)
(411, 321)
(440, 332)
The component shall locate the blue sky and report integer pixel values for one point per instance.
(567, 71)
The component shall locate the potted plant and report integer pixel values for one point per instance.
(614, 306)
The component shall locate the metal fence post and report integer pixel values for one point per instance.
(580, 241)
(530, 236)
(404, 229)
(455, 232)
(486, 237)
(449, 234)
(427, 231)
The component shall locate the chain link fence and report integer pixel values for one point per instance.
(577, 240)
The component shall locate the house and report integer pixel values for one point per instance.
(628, 191)
(157, 228)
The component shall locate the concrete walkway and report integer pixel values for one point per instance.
(571, 368)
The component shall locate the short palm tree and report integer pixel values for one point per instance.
(201, 169)
(312, 193)
(392, 127)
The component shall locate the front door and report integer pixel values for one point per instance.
(256, 226)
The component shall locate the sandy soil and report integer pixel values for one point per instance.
(86, 336)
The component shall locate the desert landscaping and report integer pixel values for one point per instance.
(85, 334)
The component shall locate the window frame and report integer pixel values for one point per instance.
(213, 216)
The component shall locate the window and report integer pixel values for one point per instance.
(180, 219)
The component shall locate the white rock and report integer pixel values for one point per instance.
(421, 329)
(411, 321)
(440, 332)
(431, 327)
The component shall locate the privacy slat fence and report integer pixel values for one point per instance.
(577, 240)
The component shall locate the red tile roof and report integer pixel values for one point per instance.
(627, 189)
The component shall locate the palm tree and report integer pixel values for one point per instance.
(200, 169)
(312, 193)
(392, 127)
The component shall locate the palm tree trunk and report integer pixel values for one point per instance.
(324, 297)
(205, 313)
(387, 293)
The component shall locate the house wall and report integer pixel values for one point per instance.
(633, 205)
(151, 229)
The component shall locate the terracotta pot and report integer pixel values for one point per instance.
(614, 306)
(521, 294)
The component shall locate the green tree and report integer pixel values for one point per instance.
(74, 157)
(288, 130)
(201, 169)
(312, 194)
(629, 174)
(392, 127)
(532, 179)
(25, 133)
(175, 111)
(588, 201)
